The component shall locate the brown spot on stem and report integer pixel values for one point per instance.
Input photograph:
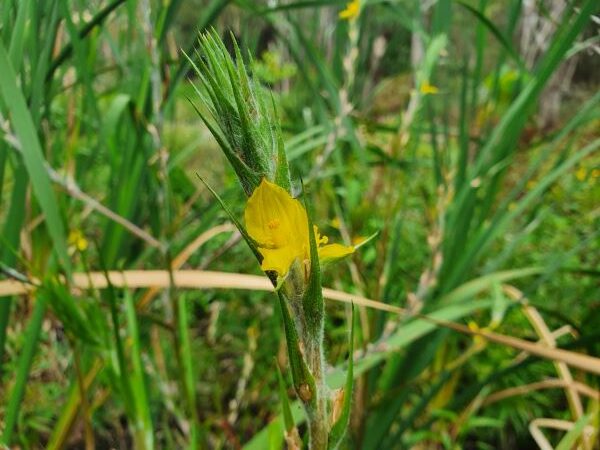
(304, 392)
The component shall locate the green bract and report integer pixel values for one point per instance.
(240, 115)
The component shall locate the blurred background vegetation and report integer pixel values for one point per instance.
(464, 132)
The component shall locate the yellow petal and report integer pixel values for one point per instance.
(274, 218)
(278, 260)
(351, 12)
(332, 252)
(278, 223)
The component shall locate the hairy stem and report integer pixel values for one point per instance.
(317, 410)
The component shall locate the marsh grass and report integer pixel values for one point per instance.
(488, 226)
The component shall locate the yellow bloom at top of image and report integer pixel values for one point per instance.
(351, 11)
(279, 224)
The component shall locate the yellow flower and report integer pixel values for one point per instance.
(352, 10)
(581, 174)
(478, 340)
(279, 224)
(427, 88)
(77, 240)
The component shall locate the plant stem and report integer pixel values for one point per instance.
(317, 414)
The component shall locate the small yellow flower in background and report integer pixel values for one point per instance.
(596, 173)
(427, 88)
(478, 340)
(581, 174)
(279, 224)
(358, 240)
(352, 10)
(77, 240)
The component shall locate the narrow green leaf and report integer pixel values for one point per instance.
(340, 426)
(189, 377)
(17, 39)
(32, 336)
(10, 242)
(477, 285)
(568, 441)
(33, 157)
(288, 420)
(141, 422)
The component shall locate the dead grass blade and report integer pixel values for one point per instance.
(553, 383)
(199, 279)
(185, 254)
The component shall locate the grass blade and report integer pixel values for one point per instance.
(33, 157)
(32, 335)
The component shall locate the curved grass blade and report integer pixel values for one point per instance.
(33, 157)
(32, 336)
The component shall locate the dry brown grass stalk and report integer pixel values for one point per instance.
(199, 279)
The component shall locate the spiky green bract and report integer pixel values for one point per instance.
(239, 115)
(312, 301)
